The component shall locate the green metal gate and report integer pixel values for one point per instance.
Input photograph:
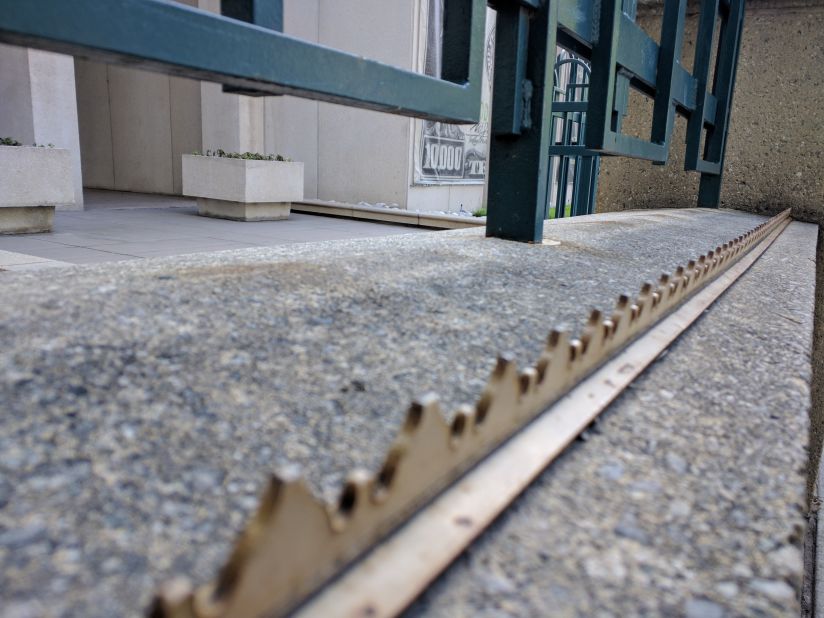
(573, 179)
(246, 50)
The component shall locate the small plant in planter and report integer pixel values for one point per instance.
(246, 186)
(34, 179)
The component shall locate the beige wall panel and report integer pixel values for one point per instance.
(95, 124)
(291, 129)
(776, 139)
(185, 123)
(141, 130)
(363, 155)
(291, 124)
(250, 124)
(220, 118)
(16, 119)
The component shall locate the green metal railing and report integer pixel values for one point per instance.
(619, 52)
(569, 110)
(246, 50)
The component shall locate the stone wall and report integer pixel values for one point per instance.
(775, 149)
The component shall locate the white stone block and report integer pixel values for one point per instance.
(242, 180)
(32, 182)
(242, 189)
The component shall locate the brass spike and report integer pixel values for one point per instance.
(294, 541)
(174, 600)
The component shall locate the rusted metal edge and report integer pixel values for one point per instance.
(295, 542)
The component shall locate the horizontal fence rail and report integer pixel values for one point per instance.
(180, 40)
(245, 50)
(619, 52)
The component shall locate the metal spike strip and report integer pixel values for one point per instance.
(295, 542)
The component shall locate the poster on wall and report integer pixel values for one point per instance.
(450, 153)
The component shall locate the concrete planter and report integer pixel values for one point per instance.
(33, 181)
(241, 189)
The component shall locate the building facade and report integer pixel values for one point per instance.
(127, 128)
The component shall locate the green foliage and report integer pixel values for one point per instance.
(9, 141)
(481, 212)
(252, 156)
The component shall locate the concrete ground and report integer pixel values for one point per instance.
(144, 404)
(120, 226)
(687, 499)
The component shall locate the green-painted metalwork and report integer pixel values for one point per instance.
(179, 40)
(621, 54)
(246, 50)
(574, 169)
(519, 177)
(263, 13)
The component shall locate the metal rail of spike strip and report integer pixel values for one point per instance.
(295, 543)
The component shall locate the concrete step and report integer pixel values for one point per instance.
(146, 403)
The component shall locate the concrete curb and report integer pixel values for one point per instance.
(373, 213)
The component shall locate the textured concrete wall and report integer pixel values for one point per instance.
(775, 150)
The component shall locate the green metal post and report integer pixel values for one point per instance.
(729, 48)
(701, 71)
(519, 164)
(669, 56)
(263, 13)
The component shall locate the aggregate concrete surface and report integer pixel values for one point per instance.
(144, 403)
(688, 497)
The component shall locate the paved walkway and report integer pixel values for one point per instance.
(125, 226)
(147, 402)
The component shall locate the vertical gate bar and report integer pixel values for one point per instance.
(700, 71)
(669, 55)
(602, 76)
(264, 13)
(709, 188)
(582, 205)
(511, 42)
(621, 104)
(566, 163)
(562, 187)
(519, 165)
(593, 192)
(457, 35)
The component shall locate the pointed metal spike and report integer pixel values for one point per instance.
(356, 491)
(175, 599)
(502, 365)
(556, 339)
(527, 380)
(382, 482)
(428, 404)
(460, 424)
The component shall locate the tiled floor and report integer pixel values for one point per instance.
(125, 226)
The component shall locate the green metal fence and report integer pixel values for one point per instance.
(246, 50)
